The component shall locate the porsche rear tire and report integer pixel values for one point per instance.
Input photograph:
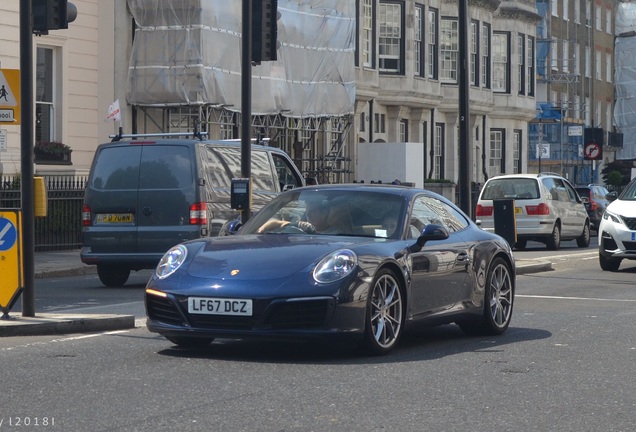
(384, 322)
(498, 302)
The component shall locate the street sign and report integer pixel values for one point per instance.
(543, 151)
(3, 140)
(10, 96)
(10, 258)
(575, 130)
(593, 151)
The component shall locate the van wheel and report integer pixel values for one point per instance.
(554, 241)
(112, 276)
(584, 239)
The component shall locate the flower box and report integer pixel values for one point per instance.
(52, 153)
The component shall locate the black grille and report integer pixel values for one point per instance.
(221, 322)
(629, 245)
(630, 222)
(299, 314)
(164, 310)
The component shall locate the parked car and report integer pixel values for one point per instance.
(547, 209)
(145, 195)
(360, 262)
(597, 202)
(617, 230)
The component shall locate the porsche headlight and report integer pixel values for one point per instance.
(171, 261)
(335, 266)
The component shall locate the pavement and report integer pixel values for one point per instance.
(68, 263)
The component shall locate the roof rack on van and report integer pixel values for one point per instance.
(195, 134)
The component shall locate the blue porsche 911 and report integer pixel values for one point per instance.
(359, 262)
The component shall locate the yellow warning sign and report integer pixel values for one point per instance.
(10, 96)
(10, 258)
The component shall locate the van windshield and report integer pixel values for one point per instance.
(129, 167)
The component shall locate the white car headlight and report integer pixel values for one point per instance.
(171, 261)
(613, 217)
(335, 266)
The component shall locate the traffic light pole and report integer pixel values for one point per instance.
(246, 102)
(26, 158)
(465, 153)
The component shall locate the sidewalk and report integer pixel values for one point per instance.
(68, 263)
(54, 265)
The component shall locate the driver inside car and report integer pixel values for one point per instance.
(321, 218)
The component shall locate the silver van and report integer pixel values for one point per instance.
(145, 195)
(547, 209)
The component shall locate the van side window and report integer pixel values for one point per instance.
(117, 168)
(286, 175)
(224, 163)
(165, 167)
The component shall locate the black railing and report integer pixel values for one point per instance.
(61, 229)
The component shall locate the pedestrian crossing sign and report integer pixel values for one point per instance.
(10, 96)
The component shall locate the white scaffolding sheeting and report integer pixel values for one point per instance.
(625, 79)
(188, 52)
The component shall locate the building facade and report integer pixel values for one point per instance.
(575, 88)
(407, 58)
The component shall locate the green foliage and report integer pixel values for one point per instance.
(617, 173)
(51, 147)
(614, 178)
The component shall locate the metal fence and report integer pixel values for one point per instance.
(61, 229)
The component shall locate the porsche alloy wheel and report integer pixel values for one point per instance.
(498, 302)
(499, 297)
(385, 314)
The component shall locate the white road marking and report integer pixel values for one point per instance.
(72, 338)
(573, 298)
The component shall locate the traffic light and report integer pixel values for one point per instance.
(264, 29)
(52, 15)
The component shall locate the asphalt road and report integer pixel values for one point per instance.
(566, 363)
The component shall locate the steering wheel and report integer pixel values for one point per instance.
(292, 229)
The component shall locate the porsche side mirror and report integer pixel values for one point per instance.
(429, 233)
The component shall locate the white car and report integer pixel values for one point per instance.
(547, 209)
(617, 230)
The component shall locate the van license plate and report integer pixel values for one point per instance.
(219, 306)
(518, 210)
(115, 218)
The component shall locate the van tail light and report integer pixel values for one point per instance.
(482, 210)
(538, 210)
(199, 214)
(86, 216)
(593, 205)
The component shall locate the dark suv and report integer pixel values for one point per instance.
(144, 195)
(597, 204)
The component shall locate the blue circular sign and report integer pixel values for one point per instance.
(8, 234)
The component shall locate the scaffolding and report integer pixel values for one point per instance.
(556, 134)
(185, 74)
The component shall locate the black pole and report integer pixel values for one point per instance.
(464, 112)
(26, 158)
(246, 102)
